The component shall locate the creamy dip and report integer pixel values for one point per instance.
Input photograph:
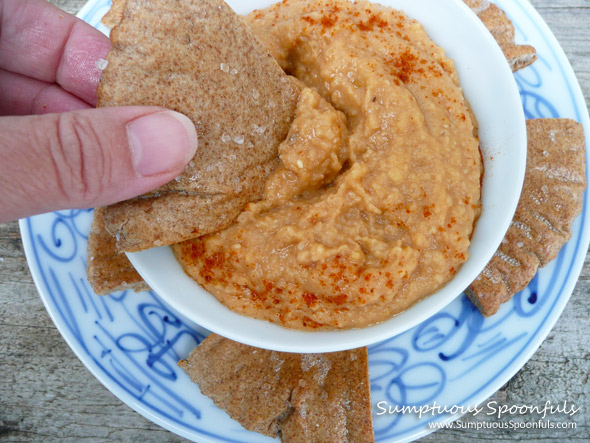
(378, 188)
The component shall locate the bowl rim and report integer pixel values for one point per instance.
(208, 312)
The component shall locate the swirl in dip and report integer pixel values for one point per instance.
(373, 203)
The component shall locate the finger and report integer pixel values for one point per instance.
(89, 158)
(20, 95)
(40, 41)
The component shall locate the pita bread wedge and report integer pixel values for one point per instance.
(552, 197)
(476, 5)
(199, 58)
(108, 269)
(501, 27)
(299, 397)
(115, 14)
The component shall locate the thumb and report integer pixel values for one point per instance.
(89, 158)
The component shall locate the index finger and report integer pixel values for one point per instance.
(40, 41)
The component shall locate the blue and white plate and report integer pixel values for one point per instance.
(132, 342)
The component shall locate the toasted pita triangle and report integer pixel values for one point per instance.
(301, 397)
(551, 199)
(115, 14)
(501, 27)
(109, 270)
(199, 58)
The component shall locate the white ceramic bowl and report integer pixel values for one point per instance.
(489, 86)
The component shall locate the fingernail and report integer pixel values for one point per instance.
(161, 142)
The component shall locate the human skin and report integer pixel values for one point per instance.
(56, 150)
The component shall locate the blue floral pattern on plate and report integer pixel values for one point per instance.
(132, 342)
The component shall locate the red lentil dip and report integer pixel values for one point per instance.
(374, 202)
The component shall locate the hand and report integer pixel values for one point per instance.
(56, 152)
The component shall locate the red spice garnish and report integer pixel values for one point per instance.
(374, 21)
(405, 64)
(310, 299)
(268, 286)
(309, 323)
(340, 299)
(309, 20)
(327, 22)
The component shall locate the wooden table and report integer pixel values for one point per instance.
(47, 394)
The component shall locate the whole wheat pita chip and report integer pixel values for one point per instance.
(476, 5)
(500, 26)
(199, 58)
(108, 269)
(299, 397)
(551, 199)
(115, 14)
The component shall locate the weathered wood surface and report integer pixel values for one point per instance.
(47, 394)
